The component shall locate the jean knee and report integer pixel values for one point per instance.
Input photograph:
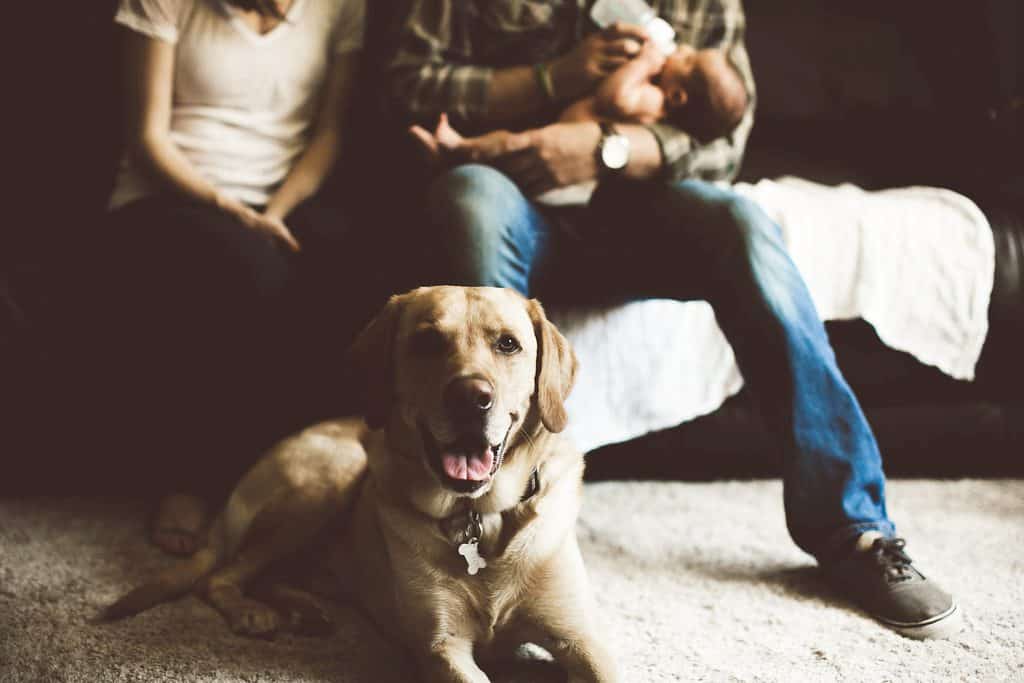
(748, 240)
(738, 218)
(742, 229)
(481, 221)
(470, 204)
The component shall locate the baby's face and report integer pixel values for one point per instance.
(679, 76)
(676, 76)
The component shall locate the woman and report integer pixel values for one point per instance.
(234, 113)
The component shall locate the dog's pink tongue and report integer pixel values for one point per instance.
(472, 466)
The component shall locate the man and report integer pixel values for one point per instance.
(655, 227)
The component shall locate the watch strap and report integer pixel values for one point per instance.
(607, 129)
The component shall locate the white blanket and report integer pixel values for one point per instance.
(917, 263)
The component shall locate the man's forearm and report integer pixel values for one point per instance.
(478, 97)
(485, 97)
(645, 159)
(514, 93)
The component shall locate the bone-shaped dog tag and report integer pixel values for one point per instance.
(471, 551)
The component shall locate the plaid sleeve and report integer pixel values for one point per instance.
(711, 23)
(431, 71)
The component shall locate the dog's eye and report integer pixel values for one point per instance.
(508, 344)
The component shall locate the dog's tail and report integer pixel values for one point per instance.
(169, 584)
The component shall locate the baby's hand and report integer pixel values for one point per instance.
(652, 54)
(438, 146)
(447, 137)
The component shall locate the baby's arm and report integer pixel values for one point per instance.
(628, 94)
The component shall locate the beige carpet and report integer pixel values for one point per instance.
(698, 582)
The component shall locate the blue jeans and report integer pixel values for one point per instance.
(688, 241)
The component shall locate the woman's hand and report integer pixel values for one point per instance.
(277, 228)
(596, 56)
(267, 223)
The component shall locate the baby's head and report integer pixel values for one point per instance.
(703, 93)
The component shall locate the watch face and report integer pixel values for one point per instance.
(615, 152)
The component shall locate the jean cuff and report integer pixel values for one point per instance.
(839, 543)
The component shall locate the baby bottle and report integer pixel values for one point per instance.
(607, 12)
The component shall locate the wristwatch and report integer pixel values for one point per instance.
(612, 151)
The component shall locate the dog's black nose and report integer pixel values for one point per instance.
(469, 397)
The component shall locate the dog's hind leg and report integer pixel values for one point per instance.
(284, 526)
(303, 613)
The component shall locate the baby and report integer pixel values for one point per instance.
(696, 90)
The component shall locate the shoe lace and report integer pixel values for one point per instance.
(890, 557)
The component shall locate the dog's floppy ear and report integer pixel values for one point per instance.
(371, 359)
(556, 369)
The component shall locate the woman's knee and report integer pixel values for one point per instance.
(206, 252)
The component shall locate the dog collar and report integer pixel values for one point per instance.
(469, 549)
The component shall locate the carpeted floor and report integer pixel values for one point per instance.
(698, 582)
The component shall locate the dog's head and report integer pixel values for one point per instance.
(456, 375)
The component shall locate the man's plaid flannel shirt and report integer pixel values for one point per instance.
(448, 51)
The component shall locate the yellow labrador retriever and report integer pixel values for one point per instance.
(449, 514)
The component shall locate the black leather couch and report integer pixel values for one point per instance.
(879, 94)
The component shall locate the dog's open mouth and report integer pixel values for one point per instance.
(468, 465)
(465, 464)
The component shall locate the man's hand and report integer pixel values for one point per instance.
(250, 218)
(596, 56)
(541, 159)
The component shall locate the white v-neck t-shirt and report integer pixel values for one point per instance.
(243, 103)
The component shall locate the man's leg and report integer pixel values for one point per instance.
(695, 241)
(489, 233)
